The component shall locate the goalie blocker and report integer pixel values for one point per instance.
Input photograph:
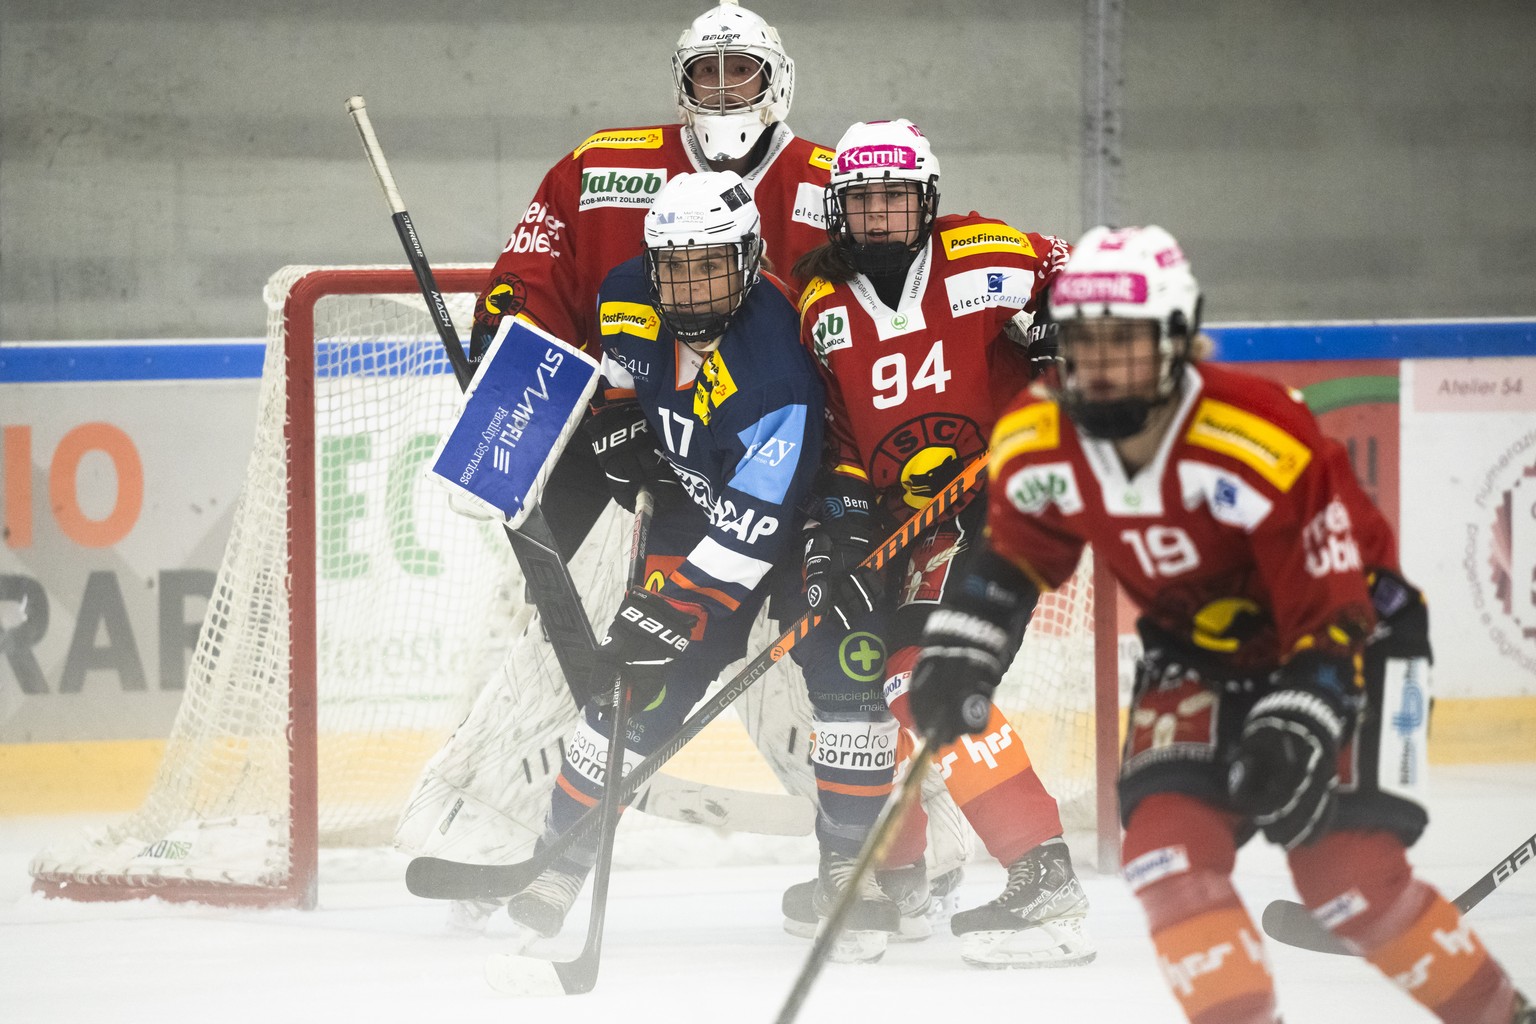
(527, 398)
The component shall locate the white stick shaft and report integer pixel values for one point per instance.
(359, 111)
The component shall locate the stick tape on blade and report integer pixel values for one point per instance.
(516, 975)
(527, 398)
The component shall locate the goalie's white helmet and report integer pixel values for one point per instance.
(725, 127)
(703, 252)
(874, 151)
(1137, 273)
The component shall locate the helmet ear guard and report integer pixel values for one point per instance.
(1126, 274)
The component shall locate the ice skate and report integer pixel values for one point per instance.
(539, 910)
(1038, 921)
(871, 921)
(472, 917)
(921, 909)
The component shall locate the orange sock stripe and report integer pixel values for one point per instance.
(1434, 957)
(574, 793)
(1214, 959)
(843, 787)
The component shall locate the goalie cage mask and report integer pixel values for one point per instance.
(727, 127)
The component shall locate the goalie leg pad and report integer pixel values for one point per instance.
(1358, 884)
(1178, 858)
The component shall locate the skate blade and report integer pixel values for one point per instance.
(913, 929)
(866, 947)
(1062, 942)
(515, 975)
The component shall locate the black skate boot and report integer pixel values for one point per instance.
(1038, 921)
(540, 909)
(872, 919)
(922, 902)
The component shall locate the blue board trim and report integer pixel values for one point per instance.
(1251, 343)
(34, 362)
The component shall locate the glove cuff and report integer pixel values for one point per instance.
(1293, 703)
(948, 625)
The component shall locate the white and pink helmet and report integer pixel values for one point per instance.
(875, 151)
(1132, 273)
(871, 150)
(1129, 274)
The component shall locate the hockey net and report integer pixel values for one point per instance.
(355, 619)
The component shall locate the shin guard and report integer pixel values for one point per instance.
(1179, 855)
(1358, 883)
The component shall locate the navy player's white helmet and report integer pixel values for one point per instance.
(1137, 273)
(875, 151)
(704, 251)
(726, 128)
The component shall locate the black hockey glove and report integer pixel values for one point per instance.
(967, 646)
(1285, 770)
(648, 633)
(1402, 619)
(625, 449)
(842, 536)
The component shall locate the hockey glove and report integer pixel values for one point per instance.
(1284, 771)
(842, 535)
(648, 633)
(967, 645)
(622, 441)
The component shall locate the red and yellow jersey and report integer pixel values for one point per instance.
(588, 216)
(912, 387)
(1242, 536)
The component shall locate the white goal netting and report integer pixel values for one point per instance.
(411, 609)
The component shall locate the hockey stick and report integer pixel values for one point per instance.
(549, 581)
(436, 878)
(1293, 924)
(532, 976)
(561, 613)
(874, 845)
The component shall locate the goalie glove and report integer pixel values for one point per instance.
(967, 646)
(1284, 771)
(648, 633)
(627, 452)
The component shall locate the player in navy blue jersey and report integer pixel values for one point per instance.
(710, 402)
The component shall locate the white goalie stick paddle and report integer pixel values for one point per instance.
(442, 879)
(1291, 923)
(532, 976)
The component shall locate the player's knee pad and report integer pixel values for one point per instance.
(1359, 884)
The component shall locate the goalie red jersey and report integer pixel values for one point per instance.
(1238, 537)
(588, 214)
(910, 388)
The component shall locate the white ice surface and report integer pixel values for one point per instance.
(685, 945)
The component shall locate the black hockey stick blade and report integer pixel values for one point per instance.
(1291, 923)
(439, 879)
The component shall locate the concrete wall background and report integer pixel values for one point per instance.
(159, 159)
